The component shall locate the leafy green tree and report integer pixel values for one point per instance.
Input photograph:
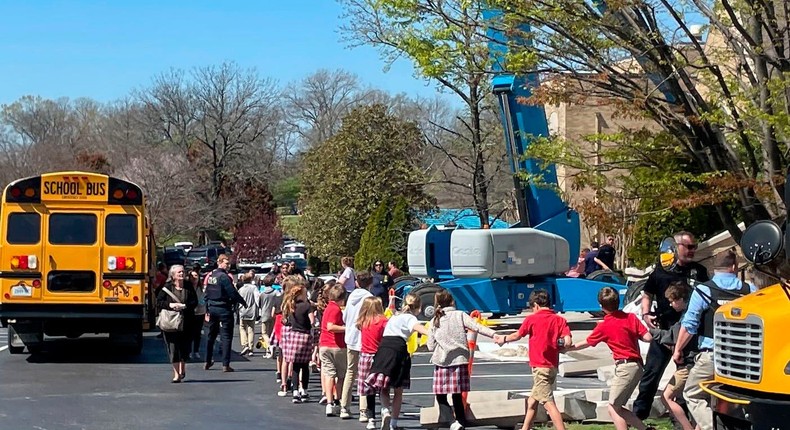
(400, 225)
(375, 237)
(717, 94)
(346, 177)
(442, 40)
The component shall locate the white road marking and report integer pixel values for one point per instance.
(3, 348)
(476, 363)
(515, 375)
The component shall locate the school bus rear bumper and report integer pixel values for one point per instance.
(738, 409)
(26, 311)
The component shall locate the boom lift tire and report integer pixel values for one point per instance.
(607, 276)
(426, 294)
(634, 291)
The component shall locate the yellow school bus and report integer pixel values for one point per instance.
(75, 252)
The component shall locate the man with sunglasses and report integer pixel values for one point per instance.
(664, 317)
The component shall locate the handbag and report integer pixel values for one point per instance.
(170, 320)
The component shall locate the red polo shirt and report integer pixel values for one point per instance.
(372, 334)
(621, 332)
(328, 339)
(544, 329)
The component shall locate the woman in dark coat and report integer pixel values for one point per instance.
(178, 342)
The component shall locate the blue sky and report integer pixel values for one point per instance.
(105, 49)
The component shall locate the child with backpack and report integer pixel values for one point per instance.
(447, 340)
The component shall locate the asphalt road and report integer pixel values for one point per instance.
(83, 384)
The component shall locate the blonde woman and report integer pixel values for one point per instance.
(178, 295)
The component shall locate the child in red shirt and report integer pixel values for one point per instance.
(545, 329)
(371, 323)
(332, 347)
(621, 332)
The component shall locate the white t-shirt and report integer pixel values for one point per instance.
(401, 325)
(351, 279)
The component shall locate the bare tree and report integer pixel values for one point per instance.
(317, 104)
(217, 115)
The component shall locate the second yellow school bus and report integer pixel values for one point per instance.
(75, 252)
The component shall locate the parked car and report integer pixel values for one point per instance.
(173, 255)
(206, 256)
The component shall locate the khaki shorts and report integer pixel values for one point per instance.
(626, 378)
(543, 381)
(267, 327)
(333, 361)
(678, 382)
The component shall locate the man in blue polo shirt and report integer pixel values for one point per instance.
(698, 320)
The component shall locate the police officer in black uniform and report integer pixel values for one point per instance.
(658, 356)
(221, 297)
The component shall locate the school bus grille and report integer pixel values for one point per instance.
(738, 351)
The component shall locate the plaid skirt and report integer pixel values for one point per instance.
(450, 380)
(391, 367)
(297, 346)
(363, 369)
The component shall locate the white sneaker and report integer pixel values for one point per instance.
(282, 393)
(456, 426)
(371, 424)
(244, 351)
(363, 416)
(297, 398)
(323, 400)
(304, 394)
(385, 419)
(330, 411)
(344, 414)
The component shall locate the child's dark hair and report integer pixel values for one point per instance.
(323, 297)
(539, 297)
(678, 290)
(364, 279)
(442, 299)
(609, 299)
(318, 285)
(336, 293)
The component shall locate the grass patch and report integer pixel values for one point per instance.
(660, 424)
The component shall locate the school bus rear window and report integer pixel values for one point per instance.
(120, 230)
(72, 229)
(23, 228)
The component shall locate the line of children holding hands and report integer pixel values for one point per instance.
(384, 362)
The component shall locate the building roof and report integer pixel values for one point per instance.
(466, 218)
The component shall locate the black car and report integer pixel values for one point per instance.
(206, 256)
(173, 255)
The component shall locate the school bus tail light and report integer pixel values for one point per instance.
(120, 263)
(24, 262)
(36, 283)
(107, 285)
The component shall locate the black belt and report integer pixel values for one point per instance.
(628, 360)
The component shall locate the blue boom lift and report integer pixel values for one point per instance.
(496, 270)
